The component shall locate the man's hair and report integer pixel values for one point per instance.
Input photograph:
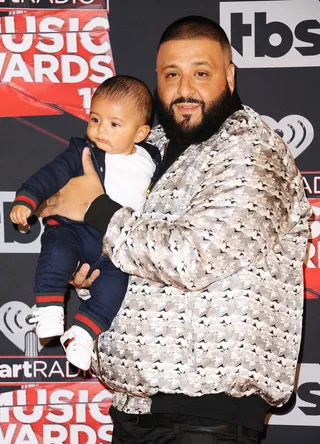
(196, 27)
(128, 88)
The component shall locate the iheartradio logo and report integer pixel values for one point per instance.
(295, 130)
(14, 325)
(30, 369)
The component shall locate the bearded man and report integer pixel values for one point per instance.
(208, 335)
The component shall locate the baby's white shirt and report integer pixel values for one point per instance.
(127, 177)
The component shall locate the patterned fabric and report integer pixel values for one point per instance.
(216, 297)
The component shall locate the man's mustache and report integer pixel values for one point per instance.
(186, 100)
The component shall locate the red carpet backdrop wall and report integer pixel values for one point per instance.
(53, 53)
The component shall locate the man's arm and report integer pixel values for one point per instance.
(78, 194)
(235, 219)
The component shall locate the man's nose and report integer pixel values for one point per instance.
(186, 86)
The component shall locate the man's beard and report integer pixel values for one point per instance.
(212, 118)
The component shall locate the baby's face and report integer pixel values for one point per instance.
(114, 125)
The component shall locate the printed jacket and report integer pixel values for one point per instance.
(52, 177)
(215, 302)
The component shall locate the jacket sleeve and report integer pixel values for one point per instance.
(51, 177)
(238, 215)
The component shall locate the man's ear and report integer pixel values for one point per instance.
(231, 71)
(142, 133)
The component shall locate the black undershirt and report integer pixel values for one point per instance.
(171, 154)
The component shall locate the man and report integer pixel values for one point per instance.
(209, 331)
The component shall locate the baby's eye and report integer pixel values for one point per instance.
(114, 124)
(94, 120)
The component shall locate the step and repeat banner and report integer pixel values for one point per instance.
(53, 54)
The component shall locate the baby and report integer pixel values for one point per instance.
(119, 121)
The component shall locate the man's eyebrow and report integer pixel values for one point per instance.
(172, 65)
(197, 63)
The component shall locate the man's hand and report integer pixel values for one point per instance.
(80, 279)
(19, 215)
(75, 197)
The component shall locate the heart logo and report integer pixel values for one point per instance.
(14, 325)
(295, 130)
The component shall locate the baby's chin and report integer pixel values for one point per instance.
(103, 146)
(111, 150)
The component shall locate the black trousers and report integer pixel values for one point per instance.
(177, 429)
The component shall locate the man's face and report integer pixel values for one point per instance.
(192, 77)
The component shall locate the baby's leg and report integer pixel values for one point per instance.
(60, 252)
(107, 292)
(95, 314)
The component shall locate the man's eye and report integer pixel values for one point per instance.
(171, 74)
(202, 74)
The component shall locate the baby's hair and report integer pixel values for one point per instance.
(196, 27)
(123, 87)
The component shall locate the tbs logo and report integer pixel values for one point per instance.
(11, 239)
(273, 34)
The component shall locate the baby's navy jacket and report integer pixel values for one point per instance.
(50, 178)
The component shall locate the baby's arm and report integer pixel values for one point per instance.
(19, 214)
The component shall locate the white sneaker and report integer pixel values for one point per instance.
(50, 321)
(78, 345)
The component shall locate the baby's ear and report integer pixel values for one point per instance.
(142, 133)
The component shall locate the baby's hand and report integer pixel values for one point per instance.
(19, 215)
